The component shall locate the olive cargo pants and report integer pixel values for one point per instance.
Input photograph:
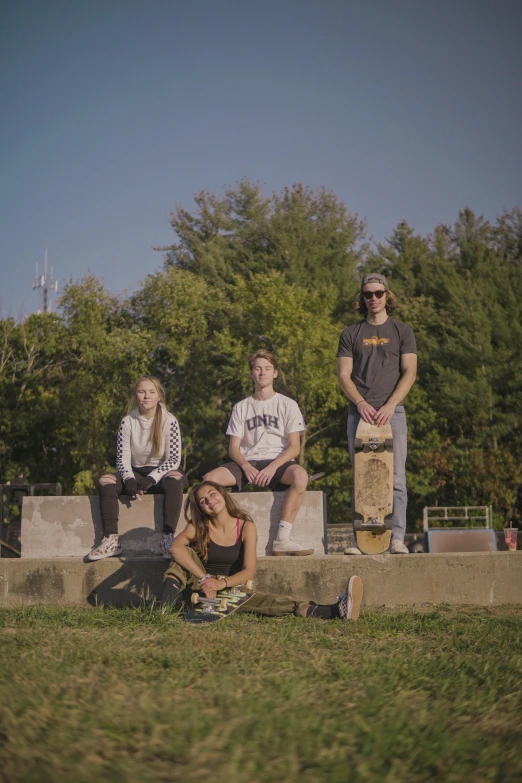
(260, 603)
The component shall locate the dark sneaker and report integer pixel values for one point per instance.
(166, 543)
(350, 601)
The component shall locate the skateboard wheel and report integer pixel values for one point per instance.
(194, 599)
(358, 444)
(249, 585)
(388, 443)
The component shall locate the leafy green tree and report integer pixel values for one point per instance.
(31, 370)
(194, 354)
(459, 289)
(282, 273)
(307, 235)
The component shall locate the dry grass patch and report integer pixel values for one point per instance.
(133, 695)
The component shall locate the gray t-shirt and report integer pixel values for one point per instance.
(376, 352)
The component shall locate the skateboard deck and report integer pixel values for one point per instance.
(373, 487)
(210, 610)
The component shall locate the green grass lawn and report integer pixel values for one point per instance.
(132, 695)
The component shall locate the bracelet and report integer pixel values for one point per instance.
(202, 578)
(225, 580)
(358, 403)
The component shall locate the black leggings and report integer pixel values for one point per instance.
(171, 488)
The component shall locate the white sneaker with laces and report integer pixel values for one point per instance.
(398, 547)
(290, 547)
(109, 547)
(350, 601)
(166, 543)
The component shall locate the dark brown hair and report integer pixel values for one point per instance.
(195, 516)
(262, 355)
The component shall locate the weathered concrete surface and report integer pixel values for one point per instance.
(478, 578)
(340, 537)
(68, 526)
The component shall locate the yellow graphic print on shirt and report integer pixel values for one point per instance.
(376, 340)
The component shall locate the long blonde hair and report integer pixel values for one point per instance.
(156, 431)
(195, 516)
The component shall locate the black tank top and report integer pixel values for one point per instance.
(226, 560)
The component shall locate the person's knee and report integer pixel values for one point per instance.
(210, 476)
(299, 479)
(399, 485)
(107, 480)
(174, 474)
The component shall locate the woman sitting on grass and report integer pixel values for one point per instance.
(147, 460)
(217, 550)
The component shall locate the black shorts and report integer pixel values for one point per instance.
(240, 477)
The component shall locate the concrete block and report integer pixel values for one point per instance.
(64, 526)
(467, 578)
(471, 579)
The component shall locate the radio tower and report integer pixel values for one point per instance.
(45, 284)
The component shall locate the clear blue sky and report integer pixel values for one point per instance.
(114, 111)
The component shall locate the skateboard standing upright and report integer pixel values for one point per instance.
(373, 487)
(210, 610)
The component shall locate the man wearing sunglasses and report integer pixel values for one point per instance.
(376, 367)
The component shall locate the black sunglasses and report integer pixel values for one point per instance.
(377, 294)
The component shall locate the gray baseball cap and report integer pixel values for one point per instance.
(374, 277)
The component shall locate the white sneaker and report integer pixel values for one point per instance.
(165, 544)
(109, 547)
(353, 550)
(350, 601)
(290, 547)
(398, 547)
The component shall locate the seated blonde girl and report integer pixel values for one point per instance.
(148, 458)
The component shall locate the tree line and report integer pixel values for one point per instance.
(248, 271)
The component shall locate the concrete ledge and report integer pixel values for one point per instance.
(478, 579)
(340, 537)
(65, 526)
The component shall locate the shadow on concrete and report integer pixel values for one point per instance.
(137, 581)
(275, 517)
(138, 536)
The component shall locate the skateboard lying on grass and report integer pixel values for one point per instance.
(210, 610)
(373, 487)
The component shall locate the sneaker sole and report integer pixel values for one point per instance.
(355, 591)
(302, 552)
(104, 557)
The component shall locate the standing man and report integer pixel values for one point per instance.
(376, 367)
(265, 440)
